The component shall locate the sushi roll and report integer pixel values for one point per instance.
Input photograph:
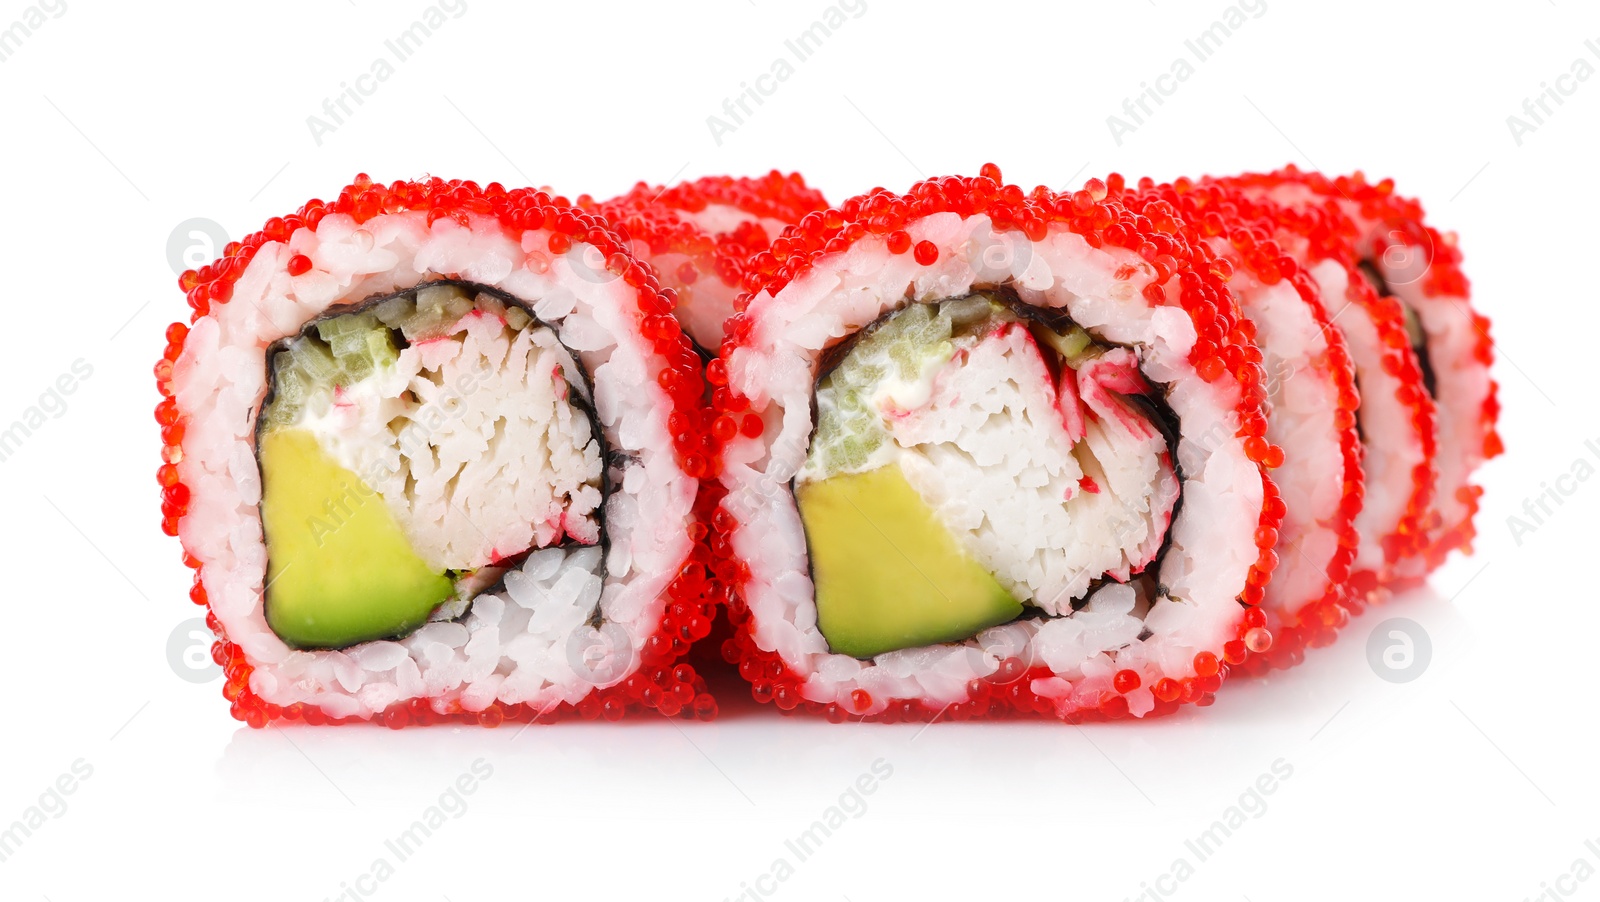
(699, 235)
(996, 454)
(1398, 416)
(1402, 257)
(1312, 403)
(416, 446)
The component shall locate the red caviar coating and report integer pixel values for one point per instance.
(1318, 230)
(1393, 221)
(1254, 230)
(661, 683)
(661, 222)
(1185, 277)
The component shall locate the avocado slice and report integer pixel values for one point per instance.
(339, 568)
(888, 574)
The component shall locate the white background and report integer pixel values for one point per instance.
(120, 121)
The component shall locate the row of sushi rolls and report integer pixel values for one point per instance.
(441, 452)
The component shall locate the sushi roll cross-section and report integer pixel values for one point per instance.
(1012, 460)
(414, 453)
(420, 449)
(967, 461)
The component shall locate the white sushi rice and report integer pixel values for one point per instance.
(704, 305)
(1462, 387)
(1394, 448)
(718, 219)
(526, 643)
(1303, 397)
(1048, 491)
(1462, 384)
(511, 651)
(707, 302)
(470, 440)
(1212, 546)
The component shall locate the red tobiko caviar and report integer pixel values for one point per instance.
(1323, 232)
(1189, 276)
(662, 681)
(1262, 239)
(691, 220)
(1373, 226)
(1126, 680)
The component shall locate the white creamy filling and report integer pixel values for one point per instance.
(471, 439)
(1050, 483)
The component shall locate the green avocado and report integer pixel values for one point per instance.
(339, 568)
(888, 574)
